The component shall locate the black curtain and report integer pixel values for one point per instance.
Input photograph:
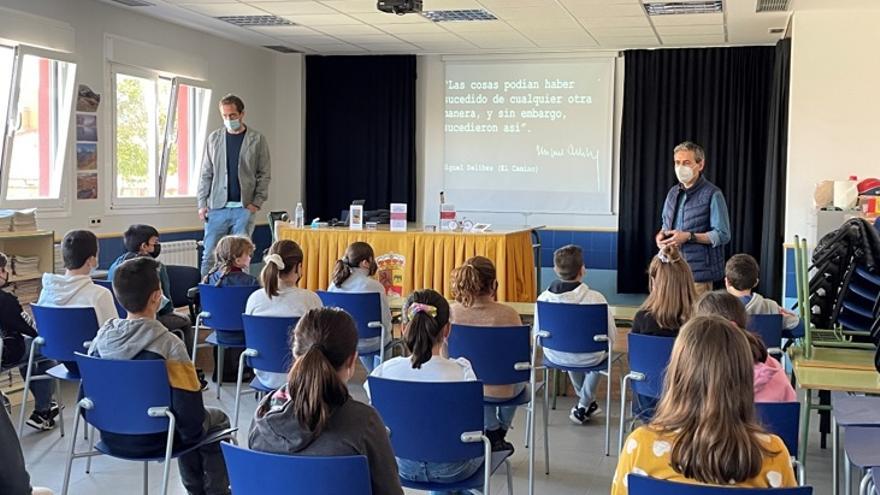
(360, 133)
(720, 98)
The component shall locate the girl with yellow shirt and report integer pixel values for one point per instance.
(704, 430)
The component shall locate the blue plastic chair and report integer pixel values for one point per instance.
(783, 420)
(860, 450)
(64, 331)
(648, 357)
(111, 404)
(222, 308)
(644, 485)
(769, 328)
(108, 284)
(438, 422)
(366, 309)
(268, 344)
(496, 364)
(259, 473)
(575, 328)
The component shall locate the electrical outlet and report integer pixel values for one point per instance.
(94, 221)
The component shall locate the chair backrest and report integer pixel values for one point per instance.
(768, 327)
(65, 330)
(122, 391)
(108, 284)
(271, 338)
(493, 351)
(649, 355)
(426, 419)
(644, 485)
(225, 306)
(573, 326)
(781, 419)
(182, 279)
(364, 307)
(258, 473)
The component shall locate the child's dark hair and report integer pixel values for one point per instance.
(476, 277)
(134, 281)
(742, 271)
(228, 249)
(138, 234)
(4, 260)
(568, 261)
(356, 253)
(722, 303)
(423, 329)
(290, 256)
(77, 247)
(323, 340)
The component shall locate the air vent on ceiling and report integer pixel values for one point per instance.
(459, 15)
(684, 7)
(772, 6)
(135, 3)
(256, 20)
(776, 30)
(281, 48)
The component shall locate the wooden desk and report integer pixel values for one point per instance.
(420, 259)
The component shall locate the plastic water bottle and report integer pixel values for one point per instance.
(299, 217)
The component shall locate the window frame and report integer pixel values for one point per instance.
(64, 152)
(158, 200)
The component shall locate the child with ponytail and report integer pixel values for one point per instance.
(233, 254)
(426, 315)
(280, 296)
(354, 273)
(314, 413)
(474, 286)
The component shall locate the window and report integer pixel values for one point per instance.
(36, 90)
(159, 137)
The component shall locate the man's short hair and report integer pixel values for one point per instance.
(77, 247)
(134, 281)
(699, 152)
(138, 234)
(742, 272)
(231, 99)
(568, 261)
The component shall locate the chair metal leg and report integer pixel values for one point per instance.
(546, 422)
(805, 426)
(60, 405)
(146, 478)
(835, 456)
(91, 448)
(27, 387)
(509, 477)
(169, 446)
(622, 412)
(847, 475)
(238, 388)
(608, 409)
(69, 462)
(528, 425)
(530, 431)
(865, 484)
(219, 369)
(555, 387)
(196, 337)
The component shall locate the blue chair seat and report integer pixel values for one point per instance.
(645, 485)
(177, 451)
(523, 398)
(62, 373)
(257, 385)
(581, 369)
(474, 482)
(861, 446)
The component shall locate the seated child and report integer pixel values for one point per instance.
(314, 414)
(741, 277)
(771, 383)
(143, 240)
(427, 327)
(233, 254)
(671, 295)
(707, 402)
(474, 287)
(568, 263)
(141, 336)
(355, 273)
(280, 295)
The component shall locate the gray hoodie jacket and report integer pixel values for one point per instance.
(353, 429)
(759, 305)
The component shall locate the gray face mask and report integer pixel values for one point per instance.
(684, 174)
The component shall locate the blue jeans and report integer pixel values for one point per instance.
(495, 417)
(42, 389)
(438, 472)
(222, 222)
(585, 386)
(370, 362)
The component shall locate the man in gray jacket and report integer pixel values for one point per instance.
(234, 182)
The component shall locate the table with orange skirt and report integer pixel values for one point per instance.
(416, 259)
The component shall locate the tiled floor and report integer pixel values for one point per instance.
(578, 465)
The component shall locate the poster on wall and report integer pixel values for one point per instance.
(87, 100)
(87, 185)
(86, 127)
(86, 157)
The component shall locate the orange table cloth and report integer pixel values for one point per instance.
(424, 259)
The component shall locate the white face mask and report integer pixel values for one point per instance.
(232, 125)
(684, 173)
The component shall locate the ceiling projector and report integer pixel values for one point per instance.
(400, 7)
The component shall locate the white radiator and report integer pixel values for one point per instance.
(185, 253)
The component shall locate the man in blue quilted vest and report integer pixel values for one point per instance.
(695, 218)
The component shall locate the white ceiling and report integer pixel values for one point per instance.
(357, 27)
